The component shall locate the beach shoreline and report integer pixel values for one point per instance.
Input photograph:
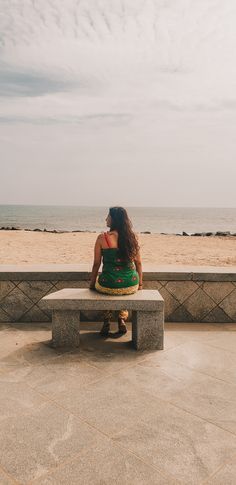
(44, 247)
(183, 233)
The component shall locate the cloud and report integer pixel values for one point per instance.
(145, 81)
(176, 48)
(97, 120)
(14, 83)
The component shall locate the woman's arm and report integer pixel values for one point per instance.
(138, 264)
(96, 262)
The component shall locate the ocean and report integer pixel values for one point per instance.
(168, 220)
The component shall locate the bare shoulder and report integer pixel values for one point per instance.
(99, 238)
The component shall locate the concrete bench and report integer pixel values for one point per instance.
(147, 315)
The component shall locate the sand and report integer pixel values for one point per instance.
(24, 247)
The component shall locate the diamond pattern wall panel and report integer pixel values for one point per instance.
(35, 290)
(200, 301)
(199, 304)
(15, 304)
(218, 290)
(185, 301)
(217, 315)
(229, 305)
(72, 284)
(4, 317)
(5, 288)
(170, 302)
(21, 301)
(181, 290)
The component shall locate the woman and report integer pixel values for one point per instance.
(122, 267)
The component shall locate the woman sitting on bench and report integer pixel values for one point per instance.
(119, 251)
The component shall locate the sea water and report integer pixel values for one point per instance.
(169, 220)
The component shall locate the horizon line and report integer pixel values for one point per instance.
(112, 205)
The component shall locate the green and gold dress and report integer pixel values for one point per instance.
(118, 277)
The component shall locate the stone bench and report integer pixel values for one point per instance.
(147, 315)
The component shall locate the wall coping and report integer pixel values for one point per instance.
(80, 272)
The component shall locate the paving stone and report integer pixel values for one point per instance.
(108, 404)
(32, 353)
(16, 399)
(226, 475)
(200, 356)
(106, 464)
(56, 378)
(227, 418)
(225, 340)
(186, 447)
(14, 342)
(201, 395)
(41, 440)
(229, 374)
(5, 479)
(157, 407)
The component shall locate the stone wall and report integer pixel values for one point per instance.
(196, 294)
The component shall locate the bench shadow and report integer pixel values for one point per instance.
(92, 341)
(93, 348)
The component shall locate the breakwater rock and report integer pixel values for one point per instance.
(55, 231)
(52, 231)
(209, 234)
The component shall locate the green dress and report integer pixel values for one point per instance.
(118, 276)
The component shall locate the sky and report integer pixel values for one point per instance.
(118, 102)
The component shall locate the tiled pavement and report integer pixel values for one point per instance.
(106, 414)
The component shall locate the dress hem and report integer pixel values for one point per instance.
(116, 291)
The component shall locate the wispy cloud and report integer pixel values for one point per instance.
(180, 52)
(98, 120)
(115, 77)
(16, 82)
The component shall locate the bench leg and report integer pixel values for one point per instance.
(65, 328)
(148, 330)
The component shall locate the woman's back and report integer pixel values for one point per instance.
(110, 240)
(116, 271)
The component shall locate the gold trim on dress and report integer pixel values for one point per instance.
(116, 291)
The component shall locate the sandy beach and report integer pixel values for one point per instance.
(25, 247)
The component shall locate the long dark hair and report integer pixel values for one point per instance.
(127, 240)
